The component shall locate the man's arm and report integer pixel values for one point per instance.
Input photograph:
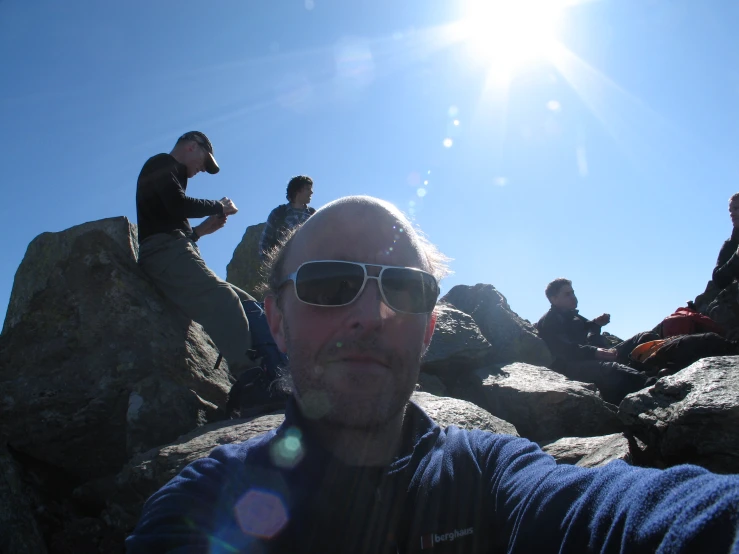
(182, 206)
(727, 265)
(540, 506)
(195, 513)
(552, 330)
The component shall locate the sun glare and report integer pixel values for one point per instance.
(508, 33)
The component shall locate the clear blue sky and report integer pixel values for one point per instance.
(608, 160)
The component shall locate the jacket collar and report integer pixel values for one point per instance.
(419, 434)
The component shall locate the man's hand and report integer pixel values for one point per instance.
(229, 208)
(606, 354)
(210, 225)
(602, 320)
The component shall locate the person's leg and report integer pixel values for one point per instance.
(176, 268)
(624, 348)
(613, 380)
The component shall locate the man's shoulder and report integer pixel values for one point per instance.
(550, 316)
(279, 211)
(158, 161)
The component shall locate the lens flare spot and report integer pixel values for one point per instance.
(501, 181)
(456, 122)
(448, 142)
(287, 450)
(421, 193)
(260, 513)
(554, 106)
(426, 182)
(453, 110)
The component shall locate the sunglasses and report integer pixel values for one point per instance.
(334, 283)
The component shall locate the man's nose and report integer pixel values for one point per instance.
(369, 309)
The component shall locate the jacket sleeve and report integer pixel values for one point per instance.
(540, 506)
(268, 240)
(552, 329)
(197, 511)
(727, 265)
(182, 206)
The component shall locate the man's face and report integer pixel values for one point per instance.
(303, 196)
(734, 212)
(565, 298)
(194, 159)
(356, 365)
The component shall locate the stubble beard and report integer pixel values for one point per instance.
(318, 400)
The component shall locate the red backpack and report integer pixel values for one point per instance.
(686, 321)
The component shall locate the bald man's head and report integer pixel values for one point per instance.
(344, 227)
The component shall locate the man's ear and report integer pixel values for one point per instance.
(275, 321)
(429, 330)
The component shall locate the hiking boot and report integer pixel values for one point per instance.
(254, 393)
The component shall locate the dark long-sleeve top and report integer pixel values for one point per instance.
(161, 203)
(727, 265)
(448, 491)
(566, 334)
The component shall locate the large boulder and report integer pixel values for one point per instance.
(513, 338)
(94, 364)
(451, 411)
(457, 346)
(245, 269)
(542, 404)
(692, 416)
(19, 532)
(590, 451)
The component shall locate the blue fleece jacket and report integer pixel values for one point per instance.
(449, 490)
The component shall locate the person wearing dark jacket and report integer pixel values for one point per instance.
(168, 252)
(579, 349)
(357, 468)
(727, 265)
(286, 217)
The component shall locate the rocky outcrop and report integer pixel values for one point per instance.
(542, 404)
(590, 451)
(244, 269)
(513, 338)
(457, 347)
(91, 356)
(19, 532)
(466, 415)
(692, 416)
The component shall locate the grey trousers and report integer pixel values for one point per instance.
(173, 263)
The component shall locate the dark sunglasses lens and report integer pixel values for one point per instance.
(329, 283)
(409, 291)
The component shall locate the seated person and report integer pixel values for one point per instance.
(579, 349)
(286, 217)
(727, 265)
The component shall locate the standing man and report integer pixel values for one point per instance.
(579, 350)
(168, 252)
(286, 217)
(357, 468)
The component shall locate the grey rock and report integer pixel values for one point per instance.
(90, 373)
(447, 411)
(542, 404)
(431, 384)
(692, 416)
(457, 346)
(590, 451)
(19, 532)
(513, 338)
(244, 269)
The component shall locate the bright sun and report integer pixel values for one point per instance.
(507, 33)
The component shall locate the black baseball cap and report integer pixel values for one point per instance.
(211, 166)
